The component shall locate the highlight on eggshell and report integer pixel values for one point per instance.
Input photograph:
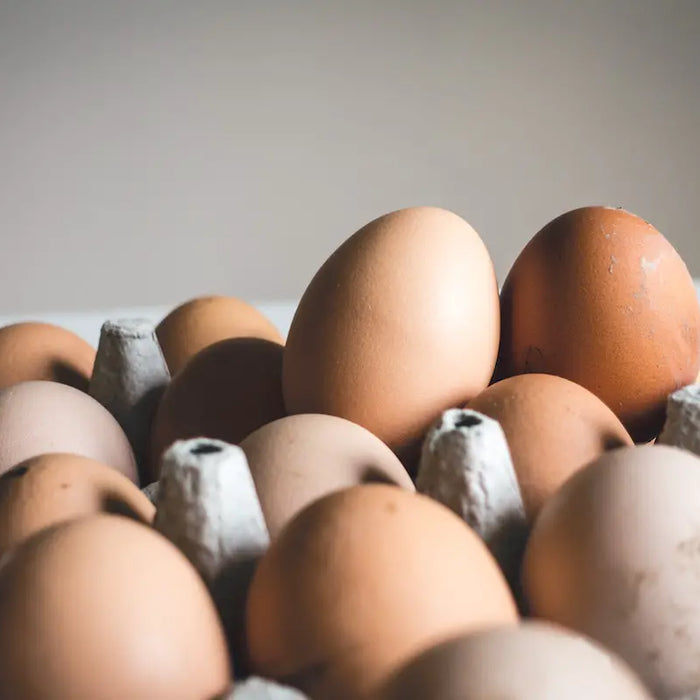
(400, 323)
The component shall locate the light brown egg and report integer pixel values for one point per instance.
(52, 488)
(399, 324)
(41, 351)
(533, 661)
(359, 582)
(104, 607)
(203, 321)
(553, 427)
(600, 297)
(41, 417)
(297, 459)
(614, 554)
(226, 391)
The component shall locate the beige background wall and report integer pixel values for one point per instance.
(152, 149)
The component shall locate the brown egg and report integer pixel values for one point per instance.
(203, 321)
(226, 391)
(41, 417)
(399, 324)
(600, 297)
(297, 459)
(49, 489)
(533, 661)
(31, 351)
(614, 555)
(359, 582)
(553, 427)
(104, 607)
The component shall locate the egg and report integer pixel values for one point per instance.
(41, 351)
(52, 488)
(39, 417)
(615, 555)
(297, 459)
(203, 321)
(360, 581)
(533, 661)
(104, 607)
(600, 297)
(553, 427)
(399, 324)
(226, 391)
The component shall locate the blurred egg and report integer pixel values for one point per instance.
(297, 459)
(203, 321)
(533, 661)
(49, 489)
(359, 582)
(553, 427)
(615, 554)
(600, 297)
(41, 351)
(226, 391)
(41, 417)
(399, 324)
(103, 607)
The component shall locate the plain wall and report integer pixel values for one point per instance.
(152, 150)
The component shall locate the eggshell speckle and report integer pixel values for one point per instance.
(399, 324)
(359, 582)
(297, 459)
(226, 391)
(615, 554)
(104, 607)
(41, 417)
(41, 351)
(600, 297)
(533, 661)
(52, 488)
(203, 321)
(553, 427)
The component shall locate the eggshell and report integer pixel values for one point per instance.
(40, 417)
(226, 391)
(203, 321)
(614, 555)
(553, 427)
(52, 488)
(359, 582)
(399, 324)
(600, 297)
(297, 459)
(41, 351)
(104, 607)
(533, 661)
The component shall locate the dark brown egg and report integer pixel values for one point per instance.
(600, 297)
(32, 351)
(226, 391)
(203, 321)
